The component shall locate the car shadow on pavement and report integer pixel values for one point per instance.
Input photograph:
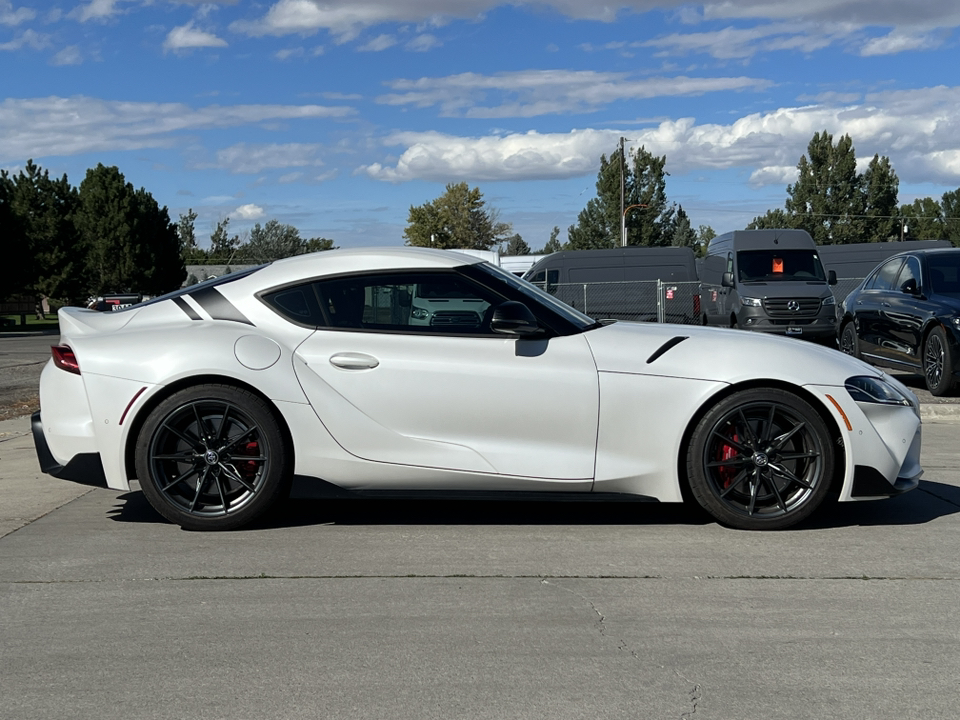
(929, 502)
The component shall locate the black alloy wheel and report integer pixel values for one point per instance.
(849, 343)
(760, 459)
(212, 457)
(938, 363)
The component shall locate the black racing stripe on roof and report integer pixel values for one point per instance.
(182, 304)
(671, 343)
(217, 306)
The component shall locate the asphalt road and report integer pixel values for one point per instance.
(403, 610)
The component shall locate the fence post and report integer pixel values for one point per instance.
(661, 313)
(585, 311)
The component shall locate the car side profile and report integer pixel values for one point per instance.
(905, 315)
(425, 373)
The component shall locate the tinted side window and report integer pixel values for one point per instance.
(886, 276)
(441, 303)
(297, 304)
(910, 271)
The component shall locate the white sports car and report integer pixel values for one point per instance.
(415, 372)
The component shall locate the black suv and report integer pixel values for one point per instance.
(906, 315)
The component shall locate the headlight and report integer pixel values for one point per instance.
(751, 302)
(830, 300)
(864, 388)
(420, 313)
(956, 322)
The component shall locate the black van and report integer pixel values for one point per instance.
(621, 283)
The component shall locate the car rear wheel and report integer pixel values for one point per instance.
(212, 457)
(849, 343)
(760, 459)
(938, 363)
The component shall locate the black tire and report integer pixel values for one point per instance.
(938, 363)
(212, 457)
(760, 459)
(849, 342)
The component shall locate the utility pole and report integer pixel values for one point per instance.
(623, 212)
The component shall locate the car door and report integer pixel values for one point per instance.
(870, 308)
(395, 380)
(906, 312)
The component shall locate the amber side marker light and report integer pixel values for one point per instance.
(64, 359)
(840, 410)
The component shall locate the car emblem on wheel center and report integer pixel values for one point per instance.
(793, 305)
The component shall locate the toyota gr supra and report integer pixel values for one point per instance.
(415, 372)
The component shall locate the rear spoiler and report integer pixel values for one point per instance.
(76, 321)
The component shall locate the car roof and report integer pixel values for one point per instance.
(349, 260)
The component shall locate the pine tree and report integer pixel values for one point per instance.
(880, 187)
(682, 234)
(192, 253)
(516, 245)
(553, 244)
(222, 246)
(922, 220)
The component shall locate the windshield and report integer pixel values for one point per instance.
(945, 273)
(574, 317)
(779, 266)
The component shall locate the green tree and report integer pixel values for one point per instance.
(457, 219)
(272, 241)
(682, 234)
(950, 203)
(318, 244)
(826, 200)
(11, 270)
(705, 234)
(553, 244)
(51, 255)
(649, 220)
(774, 219)
(192, 253)
(880, 186)
(223, 246)
(516, 245)
(922, 220)
(132, 244)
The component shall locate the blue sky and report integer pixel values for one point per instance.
(336, 116)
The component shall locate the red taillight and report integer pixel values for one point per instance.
(64, 359)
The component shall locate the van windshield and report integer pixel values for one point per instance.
(779, 266)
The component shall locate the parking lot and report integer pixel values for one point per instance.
(373, 609)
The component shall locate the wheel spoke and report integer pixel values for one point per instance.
(776, 491)
(232, 442)
(780, 470)
(223, 498)
(185, 456)
(741, 476)
(733, 443)
(754, 489)
(748, 427)
(194, 442)
(201, 483)
(735, 462)
(201, 425)
(223, 422)
(231, 472)
(780, 441)
(181, 478)
(769, 428)
(798, 456)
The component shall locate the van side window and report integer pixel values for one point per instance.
(729, 262)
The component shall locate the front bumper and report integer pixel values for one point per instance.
(84, 468)
(757, 320)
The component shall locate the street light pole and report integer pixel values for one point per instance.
(623, 222)
(623, 225)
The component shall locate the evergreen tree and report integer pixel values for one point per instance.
(827, 200)
(682, 234)
(222, 246)
(553, 244)
(515, 245)
(192, 253)
(131, 243)
(880, 188)
(649, 220)
(774, 219)
(318, 244)
(457, 219)
(11, 270)
(272, 241)
(50, 252)
(922, 220)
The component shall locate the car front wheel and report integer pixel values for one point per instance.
(938, 363)
(849, 342)
(760, 459)
(212, 457)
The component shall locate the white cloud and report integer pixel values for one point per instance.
(918, 129)
(529, 93)
(898, 42)
(96, 10)
(14, 16)
(45, 127)
(378, 44)
(249, 212)
(70, 55)
(187, 37)
(737, 43)
(422, 43)
(251, 158)
(27, 39)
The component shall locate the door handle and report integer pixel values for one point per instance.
(354, 361)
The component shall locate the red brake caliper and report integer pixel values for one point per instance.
(249, 468)
(727, 472)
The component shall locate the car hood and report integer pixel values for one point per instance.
(718, 354)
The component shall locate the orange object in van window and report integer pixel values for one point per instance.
(778, 265)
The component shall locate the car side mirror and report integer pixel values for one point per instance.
(514, 318)
(831, 277)
(727, 280)
(910, 287)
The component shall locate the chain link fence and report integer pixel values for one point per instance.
(650, 300)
